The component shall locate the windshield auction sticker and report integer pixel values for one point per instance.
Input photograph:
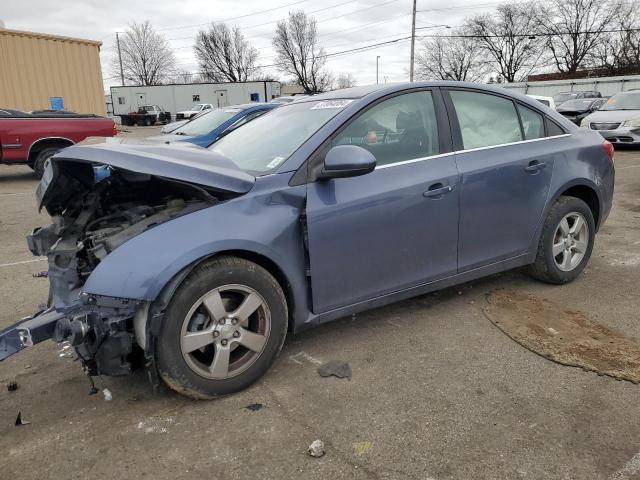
(340, 103)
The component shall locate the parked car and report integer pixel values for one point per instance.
(208, 127)
(548, 101)
(560, 98)
(201, 260)
(577, 109)
(170, 127)
(147, 115)
(32, 139)
(618, 120)
(9, 112)
(193, 111)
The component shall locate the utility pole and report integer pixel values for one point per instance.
(377, 58)
(413, 40)
(120, 59)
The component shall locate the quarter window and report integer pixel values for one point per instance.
(532, 123)
(398, 129)
(485, 119)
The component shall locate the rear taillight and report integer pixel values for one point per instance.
(608, 149)
(115, 129)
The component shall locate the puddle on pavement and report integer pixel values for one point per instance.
(563, 336)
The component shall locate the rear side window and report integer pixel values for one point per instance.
(485, 119)
(532, 123)
(395, 130)
(554, 129)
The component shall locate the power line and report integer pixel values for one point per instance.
(238, 17)
(312, 12)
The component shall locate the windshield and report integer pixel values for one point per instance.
(577, 104)
(204, 124)
(623, 101)
(265, 143)
(563, 97)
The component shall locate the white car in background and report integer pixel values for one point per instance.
(548, 101)
(177, 124)
(618, 120)
(193, 111)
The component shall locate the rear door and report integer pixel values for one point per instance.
(397, 226)
(505, 166)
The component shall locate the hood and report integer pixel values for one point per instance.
(613, 115)
(182, 161)
(571, 111)
(168, 138)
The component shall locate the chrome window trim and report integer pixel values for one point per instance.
(440, 155)
(414, 160)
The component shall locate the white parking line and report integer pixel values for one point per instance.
(630, 468)
(22, 262)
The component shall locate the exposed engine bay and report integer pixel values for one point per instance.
(101, 209)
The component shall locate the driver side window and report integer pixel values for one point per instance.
(395, 130)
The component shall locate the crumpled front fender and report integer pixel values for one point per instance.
(266, 222)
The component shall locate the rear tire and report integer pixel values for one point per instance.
(566, 242)
(147, 122)
(209, 346)
(41, 159)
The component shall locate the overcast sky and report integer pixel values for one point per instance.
(342, 25)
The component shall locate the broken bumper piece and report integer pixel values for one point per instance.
(28, 332)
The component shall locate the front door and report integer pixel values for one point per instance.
(505, 173)
(391, 229)
(221, 96)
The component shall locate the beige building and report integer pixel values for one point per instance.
(40, 71)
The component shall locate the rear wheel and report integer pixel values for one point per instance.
(147, 122)
(41, 160)
(566, 242)
(223, 328)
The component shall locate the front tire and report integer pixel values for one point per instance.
(566, 242)
(222, 330)
(41, 159)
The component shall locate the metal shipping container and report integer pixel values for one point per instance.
(40, 72)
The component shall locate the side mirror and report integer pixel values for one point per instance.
(347, 161)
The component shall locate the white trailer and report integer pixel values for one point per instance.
(177, 97)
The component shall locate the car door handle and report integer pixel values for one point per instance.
(437, 190)
(534, 166)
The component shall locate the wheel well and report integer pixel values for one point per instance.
(40, 145)
(270, 267)
(588, 196)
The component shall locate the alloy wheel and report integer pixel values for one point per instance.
(225, 331)
(570, 241)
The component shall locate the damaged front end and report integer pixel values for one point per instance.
(94, 210)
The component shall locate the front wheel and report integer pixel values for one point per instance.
(41, 160)
(566, 242)
(223, 329)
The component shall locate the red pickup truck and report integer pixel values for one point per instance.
(32, 138)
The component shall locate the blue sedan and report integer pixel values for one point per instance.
(201, 261)
(206, 129)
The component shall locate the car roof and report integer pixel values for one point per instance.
(373, 91)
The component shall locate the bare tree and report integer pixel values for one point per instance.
(147, 58)
(506, 37)
(224, 55)
(185, 76)
(298, 53)
(451, 58)
(618, 52)
(345, 80)
(573, 29)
